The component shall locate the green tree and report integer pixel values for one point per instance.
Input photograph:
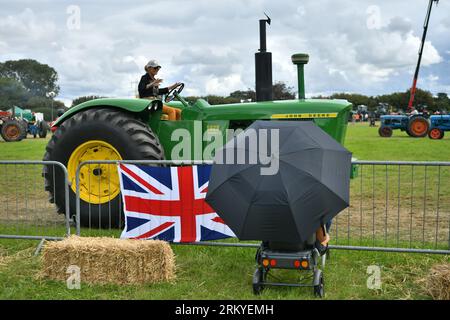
(44, 105)
(442, 102)
(423, 98)
(399, 100)
(38, 79)
(79, 100)
(281, 91)
(213, 100)
(41, 102)
(244, 95)
(357, 99)
(11, 93)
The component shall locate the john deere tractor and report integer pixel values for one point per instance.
(115, 129)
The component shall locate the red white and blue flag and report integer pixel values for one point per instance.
(168, 203)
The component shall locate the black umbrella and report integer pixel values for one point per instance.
(309, 187)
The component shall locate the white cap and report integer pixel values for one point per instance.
(152, 64)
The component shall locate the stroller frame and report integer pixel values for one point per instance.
(304, 258)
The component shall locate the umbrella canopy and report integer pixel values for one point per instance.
(309, 187)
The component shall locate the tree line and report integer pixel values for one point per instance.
(398, 101)
(29, 84)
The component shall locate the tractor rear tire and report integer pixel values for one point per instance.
(128, 138)
(385, 132)
(12, 130)
(418, 127)
(24, 125)
(42, 129)
(436, 134)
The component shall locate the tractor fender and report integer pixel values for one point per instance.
(142, 106)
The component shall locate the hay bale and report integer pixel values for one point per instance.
(109, 260)
(438, 282)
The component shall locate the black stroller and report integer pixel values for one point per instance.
(281, 255)
(309, 186)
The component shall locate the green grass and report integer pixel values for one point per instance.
(366, 144)
(362, 140)
(28, 149)
(226, 273)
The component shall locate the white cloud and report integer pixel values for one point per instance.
(211, 46)
(228, 84)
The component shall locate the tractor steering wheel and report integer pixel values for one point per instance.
(174, 92)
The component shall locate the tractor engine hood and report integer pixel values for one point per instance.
(283, 109)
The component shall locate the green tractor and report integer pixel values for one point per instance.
(134, 129)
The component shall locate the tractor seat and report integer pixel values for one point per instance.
(170, 113)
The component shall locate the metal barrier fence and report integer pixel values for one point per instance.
(397, 206)
(25, 210)
(97, 212)
(394, 206)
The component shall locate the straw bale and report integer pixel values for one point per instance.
(108, 260)
(438, 282)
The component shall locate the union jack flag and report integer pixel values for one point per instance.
(168, 203)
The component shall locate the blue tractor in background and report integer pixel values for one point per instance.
(439, 124)
(416, 126)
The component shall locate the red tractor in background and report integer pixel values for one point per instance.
(11, 129)
(59, 114)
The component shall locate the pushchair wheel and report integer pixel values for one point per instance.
(319, 289)
(257, 281)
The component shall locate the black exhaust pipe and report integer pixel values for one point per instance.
(263, 66)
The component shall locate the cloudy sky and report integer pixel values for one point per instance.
(100, 47)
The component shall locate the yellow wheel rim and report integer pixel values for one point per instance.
(99, 183)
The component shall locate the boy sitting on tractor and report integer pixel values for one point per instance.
(149, 89)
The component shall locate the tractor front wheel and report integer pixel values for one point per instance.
(12, 130)
(97, 134)
(385, 132)
(436, 134)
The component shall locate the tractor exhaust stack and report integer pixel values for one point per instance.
(263, 66)
(300, 59)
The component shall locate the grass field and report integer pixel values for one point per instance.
(225, 273)
(361, 139)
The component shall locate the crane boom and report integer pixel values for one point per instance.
(416, 73)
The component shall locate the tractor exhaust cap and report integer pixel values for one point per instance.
(300, 59)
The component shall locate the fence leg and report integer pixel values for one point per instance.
(39, 247)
